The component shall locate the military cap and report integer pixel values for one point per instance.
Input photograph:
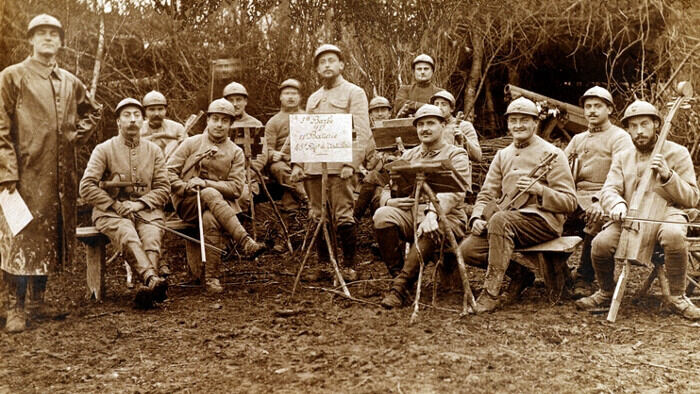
(291, 83)
(423, 58)
(45, 20)
(221, 106)
(523, 106)
(597, 92)
(640, 108)
(427, 110)
(129, 101)
(235, 88)
(154, 98)
(379, 102)
(327, 48)
(444, 94)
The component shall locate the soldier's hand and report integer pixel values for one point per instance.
(297, 174)
(478, 226)
(346, 172)
(618, 212)
(525, 181)
(401, 202)
(429, 225)
(10, 186)
(120, 209)
(594, 213)
(194, 184)
(405, 109)
(659, 165)
(276, 155)
(130, 207)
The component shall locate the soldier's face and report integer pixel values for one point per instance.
(46, 41)
(423, 72)
(290, 98)
(522, 127)
(444, 106)
(155, 115)
(218, 125)
(329, 65)
(129, 122)
(429, 130)
(596, 111)
(239, 102)
(642, 129)
(381, 113)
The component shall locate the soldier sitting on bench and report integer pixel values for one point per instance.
(394, 222)
(538, 217)
(211, 163)
(141, 162)
(675, 182)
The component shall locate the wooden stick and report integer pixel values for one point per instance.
(306, 257)
(619, 292)
(420, 179)
(202, 250)
(285, 231)
(326, 235)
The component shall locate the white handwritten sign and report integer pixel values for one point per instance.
(320, 138)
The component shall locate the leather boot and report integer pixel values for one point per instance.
(348, 236)
(364, 199)
(585, 275)
(37, 308)
(403, 283)
(16, 292)
(155, 287)
(226, 216)
(520, 279)
(321, 248)
(159, 265)
(605, 274)
(676, 264)
(211, 269)
(391, 248)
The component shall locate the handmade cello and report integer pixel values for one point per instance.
(638, 239)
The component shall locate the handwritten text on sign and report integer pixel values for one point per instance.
(320, 138)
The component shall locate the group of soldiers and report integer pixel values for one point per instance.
(45, 110)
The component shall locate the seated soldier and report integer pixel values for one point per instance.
(213, 165)
(393, 222)
(411, 97)
(165, 133)
(457, 132)
(591, 154)
(374, 176)
(540, 218)
(130, 159)
(674, 180)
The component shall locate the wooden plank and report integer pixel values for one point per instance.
(85, 233)
(95, 260)
(562, 244)
(386, 131)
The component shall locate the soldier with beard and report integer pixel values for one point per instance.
(674, 180)
(165, 133)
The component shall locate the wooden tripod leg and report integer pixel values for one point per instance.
(285, 231)
(420, 180)
(331, 255)
(306, 257)
(619, 292)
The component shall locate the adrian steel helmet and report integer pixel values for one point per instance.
(327, 48)
(154, 98)
(379, 102)
(597, 92)
(639, 108)
(129, 101)
(523, 106)
(221, 106)
(291, 83)
(235, 88)
(423, 58)
(444, 94)
(45, 20)
(427, 110)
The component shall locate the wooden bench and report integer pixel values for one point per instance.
(95, 243)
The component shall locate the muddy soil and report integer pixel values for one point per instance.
(253, 338)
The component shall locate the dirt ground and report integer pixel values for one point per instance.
(252, 338)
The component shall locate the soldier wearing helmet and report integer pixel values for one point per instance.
(674, 180)
(128, 158)
(411, 97)
(165, 133)
(457, 131)
(215, 166)
(379, 109)
(237, 95)
(394, 221)
(44, 111)
(591, 154)
(336, 96)
(537, 219)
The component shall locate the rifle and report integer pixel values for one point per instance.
(114, 185)
(571, 113)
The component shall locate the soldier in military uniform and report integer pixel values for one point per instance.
(394, 221)
(457, 132)
(411, 97)
(213, 165)
(540, 219)
(674, 180)
(336, 96)
(591, 154)
(44, 111)
(126, 215)
(165, 133)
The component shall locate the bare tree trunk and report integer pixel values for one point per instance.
(98, 55)
(474, 73)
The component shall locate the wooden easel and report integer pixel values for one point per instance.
(250, 139)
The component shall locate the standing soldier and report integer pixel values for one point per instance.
(394, 221)
(336, 96)
(540, 218)
(591, 154)
(674, 180)
(44, 110)
(457, 132)
(165, 133)
(411, 97)
(126, 214)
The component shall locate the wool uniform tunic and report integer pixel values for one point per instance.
(175, 134)
(415, 94)
(44, 110)
(466, 129)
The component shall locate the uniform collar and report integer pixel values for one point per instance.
(44, 70)
(524, 144)
(427, 154)
(131, 144)
(211, 139)
(338, 82)
(599, 129)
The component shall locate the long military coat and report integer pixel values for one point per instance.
(44, 110)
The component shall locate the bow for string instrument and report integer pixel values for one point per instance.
(637, 239)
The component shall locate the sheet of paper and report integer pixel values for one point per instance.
(15, 210)
(321, 138)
